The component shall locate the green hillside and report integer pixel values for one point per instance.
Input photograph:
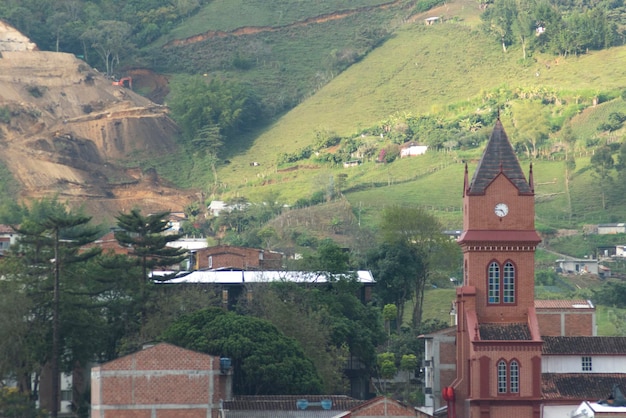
(436, 70)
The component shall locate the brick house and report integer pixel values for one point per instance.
(161, 381)
(239, 258)
(568, 318)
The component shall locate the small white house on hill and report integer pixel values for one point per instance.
(412, 150)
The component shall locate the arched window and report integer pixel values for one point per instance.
(501, 283)
(502, 376)
(494, 283)
(508, 290)
(514, 376)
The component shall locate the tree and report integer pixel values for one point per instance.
(145, 237)
(386, 369)
(523, 26)
(265, 361)
(224, 105)
(602, 164)
(532, 126)
(301, 313)
(396, 266)
(390, 313)
(422, 232)
(110, 39)
(42, 271)
(329, 257)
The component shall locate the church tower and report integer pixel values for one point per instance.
(498, 341)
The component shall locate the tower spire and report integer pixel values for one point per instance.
(498, 158)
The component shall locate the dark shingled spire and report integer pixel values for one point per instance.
(498, 157)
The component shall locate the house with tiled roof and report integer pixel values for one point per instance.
(579, 369)
(566, 317)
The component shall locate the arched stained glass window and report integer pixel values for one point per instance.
(514, 376)
(508, 290)
(494, 283)
(502, 376)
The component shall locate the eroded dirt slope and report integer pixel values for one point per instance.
(70, 131)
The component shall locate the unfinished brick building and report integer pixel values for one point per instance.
(160, 381)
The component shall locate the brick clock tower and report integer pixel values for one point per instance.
(498, 342)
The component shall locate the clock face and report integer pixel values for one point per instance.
(501, 209)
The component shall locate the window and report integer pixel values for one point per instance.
(508, 377)
(514, 376)
(509, 283)
(210, 261)
(494, 283)
(586, 360)
(501, 376)
(501, 286)
(66, 395)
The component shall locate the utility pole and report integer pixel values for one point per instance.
(55, 329)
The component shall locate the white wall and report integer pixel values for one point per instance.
(573, 364)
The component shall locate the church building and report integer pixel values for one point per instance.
(515, 357)
(499, 344)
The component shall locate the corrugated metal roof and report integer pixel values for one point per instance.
(286, 406)
(232, 277)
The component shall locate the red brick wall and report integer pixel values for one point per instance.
(238, 257)
(479, 216)
(549, 324)
(577, 323)
(447, 353)
(147, 383)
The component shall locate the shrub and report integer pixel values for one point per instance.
(5, 114)
(36, 91)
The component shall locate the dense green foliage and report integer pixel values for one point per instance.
(328, 320)
(559, 28)
(198, 104)
(76, 26)
(265, 361)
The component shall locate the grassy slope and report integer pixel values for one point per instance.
(417, 71)
(227, 15)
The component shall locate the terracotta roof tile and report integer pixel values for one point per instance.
(6, 229)
(504, 332)
(584, 345)
(498, 157)
(580, 386)
(563, 304)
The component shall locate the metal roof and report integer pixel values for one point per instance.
(234, 277)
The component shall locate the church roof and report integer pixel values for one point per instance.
(498, 157)
(584, 345)
(580, 386)
(504, 332)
